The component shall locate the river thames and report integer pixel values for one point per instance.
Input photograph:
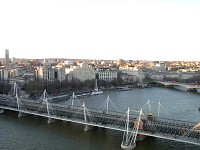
(34, 133)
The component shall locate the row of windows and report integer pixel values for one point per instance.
(113, 73)
(107, 79)
(107, 75)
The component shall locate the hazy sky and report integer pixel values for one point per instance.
(101, 29)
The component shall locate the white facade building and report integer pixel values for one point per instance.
(84, 72)
(107, 74)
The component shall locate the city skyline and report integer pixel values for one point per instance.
(156, 30)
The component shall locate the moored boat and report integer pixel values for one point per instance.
(96, 91)
(123, 88)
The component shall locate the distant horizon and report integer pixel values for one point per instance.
(165, 30)
(104, 59)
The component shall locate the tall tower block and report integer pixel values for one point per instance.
(7, 61)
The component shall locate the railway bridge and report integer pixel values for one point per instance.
(133, 123)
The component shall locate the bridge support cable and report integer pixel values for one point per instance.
(107, 102)
(108, 105)
(45, 101)
(72, 100)
(137, 127)
(149, 105)
(84, 111)
(43, 97)
(87, 127)
(17, 97)
(16, 90)
(150, 108)
(44, 94)
(159, 108)
(47, 104)
(129, 137)
(20, 114)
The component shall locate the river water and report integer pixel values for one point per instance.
(33, 133)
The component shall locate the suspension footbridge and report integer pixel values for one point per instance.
(133, 123)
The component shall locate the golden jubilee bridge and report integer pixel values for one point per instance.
(133, 123)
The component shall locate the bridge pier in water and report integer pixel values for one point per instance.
(129, 138)
(1, 111)
(50, 120)
(20, 114)
(87, 128)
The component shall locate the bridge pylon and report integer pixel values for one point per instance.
(150, 109)
(48, 112)
(129, 138)
(20, 114)
(45, 101)
(106, 104)
(87, 127)
(72, 99)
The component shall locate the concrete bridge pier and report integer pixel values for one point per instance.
(87, 128)
(1, 111)
(128, 146)
(50, 120)
(21, 114)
